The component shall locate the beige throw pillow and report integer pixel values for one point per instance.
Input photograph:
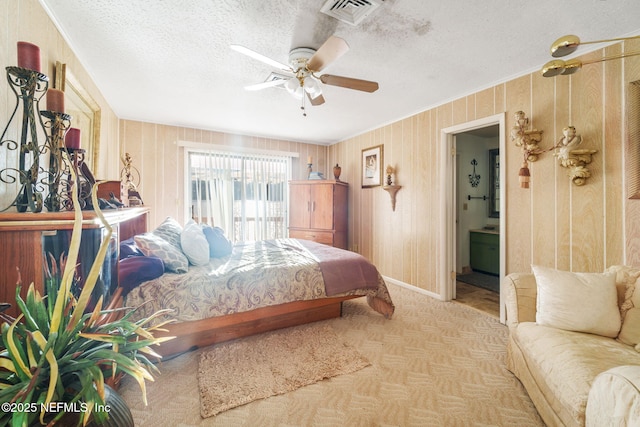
(630, 332)
(581, 302)
(626, 278)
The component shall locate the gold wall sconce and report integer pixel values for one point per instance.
(572, 158)
(390, 186)
(528, 140)
(566, 45)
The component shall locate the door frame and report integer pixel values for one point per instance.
(448, 206)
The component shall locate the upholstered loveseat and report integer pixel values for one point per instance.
(574, 342)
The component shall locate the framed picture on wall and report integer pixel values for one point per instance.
(372, 166)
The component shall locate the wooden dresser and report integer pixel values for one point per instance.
(26, 237)
(318, 211)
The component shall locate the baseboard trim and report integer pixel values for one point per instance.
(412, 288)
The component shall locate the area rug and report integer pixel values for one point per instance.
(481, 280)
(238, 372)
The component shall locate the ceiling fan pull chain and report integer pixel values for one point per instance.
(304, 111)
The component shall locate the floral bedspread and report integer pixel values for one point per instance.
(256, 274)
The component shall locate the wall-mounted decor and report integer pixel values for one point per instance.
(528, 140)
(573, 158)
(494, 183)
(372, 166)
(474, 178)
(390, 186)
(85, 111)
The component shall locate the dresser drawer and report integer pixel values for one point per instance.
(325, 237)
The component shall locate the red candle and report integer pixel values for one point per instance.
(28, 56)
(72, 139)
(55, 100)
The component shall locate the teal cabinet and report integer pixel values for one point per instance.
(485, 252)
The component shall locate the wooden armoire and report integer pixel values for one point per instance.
(318, 211)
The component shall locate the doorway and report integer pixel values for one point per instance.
(474, 209)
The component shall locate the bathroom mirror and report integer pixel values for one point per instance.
(494, 183)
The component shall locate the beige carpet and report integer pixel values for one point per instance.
(238, 372)
(433, 364)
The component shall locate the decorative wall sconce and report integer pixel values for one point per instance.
(573, 158)
(528, 140)
(566, 45)
(566, 150)
(474, 178)
(390, 186)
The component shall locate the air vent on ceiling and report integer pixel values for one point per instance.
(350, 11)
(277, 76)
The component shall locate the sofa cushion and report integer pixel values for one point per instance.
(565, 363)
(582, 302)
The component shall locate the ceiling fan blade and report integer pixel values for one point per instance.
(255, 55)
(264, 85)
(318, 100)
(330, 50)
(349, 83)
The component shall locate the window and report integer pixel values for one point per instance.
(244, 194)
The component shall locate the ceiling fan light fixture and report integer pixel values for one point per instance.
(294, 88)
(312, 87)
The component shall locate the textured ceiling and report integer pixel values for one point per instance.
(169, 61)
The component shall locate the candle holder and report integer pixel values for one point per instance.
(84, 179)
(57, 124)
(28, 86)
(309, 169)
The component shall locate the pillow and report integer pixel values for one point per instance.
(135, 270)
(152, 245)
(581, 302)
(626, 278)
(194, 244)
(170, 230)
(128, 249)
(219, 246)
(630, 332)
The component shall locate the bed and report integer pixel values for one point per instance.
(260, 286)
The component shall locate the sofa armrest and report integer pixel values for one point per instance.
(614, 397)
(520, 292)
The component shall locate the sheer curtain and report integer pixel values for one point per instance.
(244, 194)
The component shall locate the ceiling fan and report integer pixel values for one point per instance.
(304, 63)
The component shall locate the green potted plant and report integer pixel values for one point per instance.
(56, 360)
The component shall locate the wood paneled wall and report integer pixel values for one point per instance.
(161, 161)
(554, 223)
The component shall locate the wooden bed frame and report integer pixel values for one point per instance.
(205, 332)
(202, 333)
